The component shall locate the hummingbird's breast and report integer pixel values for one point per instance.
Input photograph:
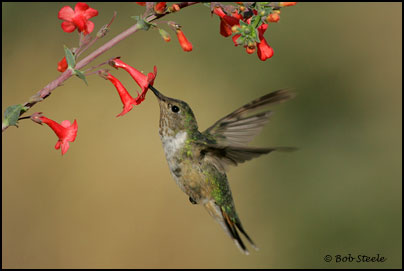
(185, 166)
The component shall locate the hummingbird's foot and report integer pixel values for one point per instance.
(192, 200)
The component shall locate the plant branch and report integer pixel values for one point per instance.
(47, 90)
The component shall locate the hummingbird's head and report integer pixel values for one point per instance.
(175, 115)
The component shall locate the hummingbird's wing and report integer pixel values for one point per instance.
(241, 126)
(223, 156)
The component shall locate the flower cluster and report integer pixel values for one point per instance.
(248, 23)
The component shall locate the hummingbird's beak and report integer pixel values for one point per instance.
(157, 93)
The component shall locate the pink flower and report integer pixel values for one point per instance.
(65, 131)
(77, 18)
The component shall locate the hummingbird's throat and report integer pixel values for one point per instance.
(173, 144)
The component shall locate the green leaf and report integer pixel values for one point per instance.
(142, 23)
(256, 36)
(71, 61)
(12, 114)
(243, 23)
(81, 75)
(240, 40)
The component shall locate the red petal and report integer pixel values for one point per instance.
(68, 26)
(228, 19)
(126, 109)
(261, 30)
(80, 22)
(65, 123)
(74, 129)
(160, 7)
(264, 50)
(57, 146)
(90, 27)
(66, 13)
(126, 99)
(81, 7)
(65, 147)
(234, 38)
(225, 29)
(89, 13)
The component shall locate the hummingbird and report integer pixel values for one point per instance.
(198, 161)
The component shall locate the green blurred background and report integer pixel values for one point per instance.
(111, 202)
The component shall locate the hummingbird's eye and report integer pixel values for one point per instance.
(175, 109)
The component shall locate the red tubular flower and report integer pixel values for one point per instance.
(226, 18)
(287, 4)
(226, 21)
(142, 80)
(264, 50)
(127, 100)
(77, 18)
(62, 65)
(225, 29)
(185, 44)
(141, 3)
(160, 7)
(65, 131)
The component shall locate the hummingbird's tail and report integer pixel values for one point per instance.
(230, 227)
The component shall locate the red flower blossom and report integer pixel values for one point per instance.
(62, 65)
(264, 50)
(273, 18)
(77, 18)
(185, 44)
(127, 100)
(287, 4)
(225, 29)
(142, 80)
(65, 131)
(160, 7)
(230, 20)
(141, 3)
(226, 21)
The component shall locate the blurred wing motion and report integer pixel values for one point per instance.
(240, 127)
(233, 132)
